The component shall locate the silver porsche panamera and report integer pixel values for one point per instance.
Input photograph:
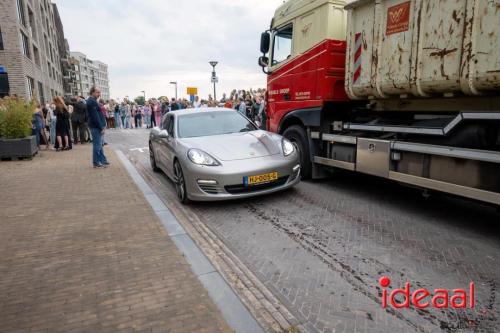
(218, 154)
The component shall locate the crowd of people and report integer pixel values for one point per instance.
(74, 121)
(128, 114)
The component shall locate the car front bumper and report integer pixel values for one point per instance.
(225, 182)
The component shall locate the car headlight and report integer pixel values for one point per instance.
(201, 158)
(288, 147)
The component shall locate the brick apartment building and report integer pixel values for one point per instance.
(29, 49)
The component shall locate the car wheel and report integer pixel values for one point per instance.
(180, 183)
(152, 158)
(298, 136)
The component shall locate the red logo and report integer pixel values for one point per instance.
(423, 298)
(398, 18)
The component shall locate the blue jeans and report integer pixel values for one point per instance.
(53, 132)
(36, 132)
(97, 147)
(118, 120)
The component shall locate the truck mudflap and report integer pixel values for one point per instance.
(470, 173)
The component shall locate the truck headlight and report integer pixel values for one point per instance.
(201, 158)
(288, 147)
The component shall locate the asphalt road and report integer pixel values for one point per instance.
(322, 247)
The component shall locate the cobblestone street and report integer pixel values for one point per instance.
(322, 247)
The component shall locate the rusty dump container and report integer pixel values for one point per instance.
(422, 48)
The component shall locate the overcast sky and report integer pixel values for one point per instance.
(148, 43)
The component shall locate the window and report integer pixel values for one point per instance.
(25, 45)
(31, 17)
(46, 43)
(170, 128)
(282, 44)
(165, 121)
(36, 55)
(20, 12)
(1, 40)
(40, 92)
(212, 123)
(31, 86)
(50, 71)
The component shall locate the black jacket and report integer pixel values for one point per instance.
(79, 113)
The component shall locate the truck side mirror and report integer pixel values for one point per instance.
(263, 61)
(265, 40)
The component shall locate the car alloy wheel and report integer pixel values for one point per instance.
(180, 183)
(152, 159)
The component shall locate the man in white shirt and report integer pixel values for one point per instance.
(242, 108)
(197, 103)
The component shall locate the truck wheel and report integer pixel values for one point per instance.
(298, 136)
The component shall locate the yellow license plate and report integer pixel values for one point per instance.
(260, 179)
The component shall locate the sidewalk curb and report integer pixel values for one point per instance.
(231, 307)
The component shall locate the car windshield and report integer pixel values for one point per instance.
(212, 123)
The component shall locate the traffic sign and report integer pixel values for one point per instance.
(192, 91)
(215, 79)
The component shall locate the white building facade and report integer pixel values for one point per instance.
(90, 73)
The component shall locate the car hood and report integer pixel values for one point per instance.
(237, 146)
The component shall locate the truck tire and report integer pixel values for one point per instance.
(298, 136)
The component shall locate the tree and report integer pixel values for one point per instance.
(139, 100)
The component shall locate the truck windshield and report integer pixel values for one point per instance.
(212, 123)
(282, 45)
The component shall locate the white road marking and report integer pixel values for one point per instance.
(142, 150)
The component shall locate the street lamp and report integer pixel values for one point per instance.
(175, 83)
(214, 76)
(144, 93)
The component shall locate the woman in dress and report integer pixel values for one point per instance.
(62, 124)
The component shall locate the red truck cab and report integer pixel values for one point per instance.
(306, 64)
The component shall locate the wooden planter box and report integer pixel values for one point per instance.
(18, 148)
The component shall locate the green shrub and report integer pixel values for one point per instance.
(15, 118)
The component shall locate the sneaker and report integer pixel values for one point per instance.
(100, 166)
(106, 164)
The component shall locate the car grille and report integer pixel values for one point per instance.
(211, 189)
(241, 188)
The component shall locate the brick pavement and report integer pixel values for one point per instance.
(82, 251)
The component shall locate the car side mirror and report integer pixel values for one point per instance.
(265, 41)
(164, 134)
